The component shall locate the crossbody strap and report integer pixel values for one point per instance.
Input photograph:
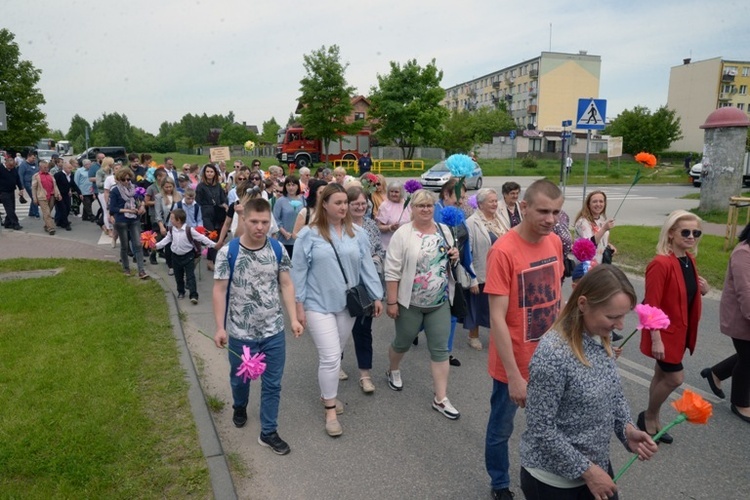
(448, 264)
(340, 266)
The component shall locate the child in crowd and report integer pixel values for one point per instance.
(183, 252)
(191, 208)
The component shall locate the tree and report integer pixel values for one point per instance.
(326, 96)
(642, 130)
(111, 129)
(406, 103)
(234, 133)
(270, 129)
(77, 132)
(462, 130)
(18, 88)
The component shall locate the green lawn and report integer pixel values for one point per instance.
(636, 246)
(94, 400)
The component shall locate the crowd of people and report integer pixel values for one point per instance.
(313, 239)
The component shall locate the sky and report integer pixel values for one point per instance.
(157, 60)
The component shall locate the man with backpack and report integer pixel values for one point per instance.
(183, 237)
(250, 271)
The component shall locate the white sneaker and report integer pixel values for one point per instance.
(394, 379)
(446, 408)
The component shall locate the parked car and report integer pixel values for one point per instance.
(695, 173)
(45, 154)
(438, 175)
(115, 152)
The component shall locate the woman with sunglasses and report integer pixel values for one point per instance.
(674, 286)
(379, 195)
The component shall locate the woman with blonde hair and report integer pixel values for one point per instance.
(674, 286)
(331, 255)
(419, 291)
(165, 202)
(574, 398)
(101, 175)
(379, 195)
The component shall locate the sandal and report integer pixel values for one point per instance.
(333, 427)
(366, 384)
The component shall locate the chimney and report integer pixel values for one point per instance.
(686, 60)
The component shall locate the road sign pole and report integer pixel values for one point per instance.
(586, 165)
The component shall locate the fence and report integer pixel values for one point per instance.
(736, 203)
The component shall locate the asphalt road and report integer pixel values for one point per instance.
(396, 446)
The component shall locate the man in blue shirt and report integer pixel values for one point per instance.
(82, 179)
(26, 170)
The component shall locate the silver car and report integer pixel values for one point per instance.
(438, 175)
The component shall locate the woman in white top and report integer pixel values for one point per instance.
(592, 223)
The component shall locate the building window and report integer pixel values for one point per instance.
(743, 89)
(535, 144)
(359, 115)
(726, 88)
(741, 105)
(745, 71)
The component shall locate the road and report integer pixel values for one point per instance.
(395, 446)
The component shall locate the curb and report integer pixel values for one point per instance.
(218, 468)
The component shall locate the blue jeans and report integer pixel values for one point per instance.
(499, 430)
(274, 348)
(33, 207)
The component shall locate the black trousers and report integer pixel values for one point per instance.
(534, 489)
(737, 366)
(62, 211)
(9, 205)
(184, 269)
(88, 200)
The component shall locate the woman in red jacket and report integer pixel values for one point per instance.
(674, 286)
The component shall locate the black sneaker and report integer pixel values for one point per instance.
(503, 494)
(274, 442)
(240, 417)
(453, 361)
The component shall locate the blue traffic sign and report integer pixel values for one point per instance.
(512, 134)
(565, 135)
(591, 114)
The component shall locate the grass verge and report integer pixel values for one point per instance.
(636, 246)
(94, 399)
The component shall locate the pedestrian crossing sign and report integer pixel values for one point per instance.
(591, 114)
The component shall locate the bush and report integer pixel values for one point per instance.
(529, 162)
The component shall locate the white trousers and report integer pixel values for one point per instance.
(329, 332)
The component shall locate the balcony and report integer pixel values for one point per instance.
(495, 99)
(728, 77)
(531, 109)
(725, 96)
(496, 85)
(532, 92)
(534, 74)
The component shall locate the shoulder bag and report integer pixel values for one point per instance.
(358, 301)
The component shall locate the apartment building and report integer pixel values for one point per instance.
(539, 93)
(698, 88)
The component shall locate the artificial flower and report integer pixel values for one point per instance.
(148, 239)
(650, 318)
(249, 146)
(472, 202)
(692, 408)
(201, 230)
(139, 193)
(252, 366)
(213, 235)
(646, 159)
(584, 249)
(371, 178)
(452, 216)
(460, 165)
(412, 186)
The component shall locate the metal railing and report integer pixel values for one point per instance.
(379, 166)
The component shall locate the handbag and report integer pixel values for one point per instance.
(358, 301)
(570, 266)
(607, 255)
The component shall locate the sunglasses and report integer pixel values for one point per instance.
(685, 233)
(255, 178)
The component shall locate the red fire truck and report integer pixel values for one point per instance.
(294, 147)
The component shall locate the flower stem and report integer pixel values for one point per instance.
(225, 347)
(627, 338)
(680, 418)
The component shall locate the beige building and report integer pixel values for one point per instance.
(698, 88)
(539, 93)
